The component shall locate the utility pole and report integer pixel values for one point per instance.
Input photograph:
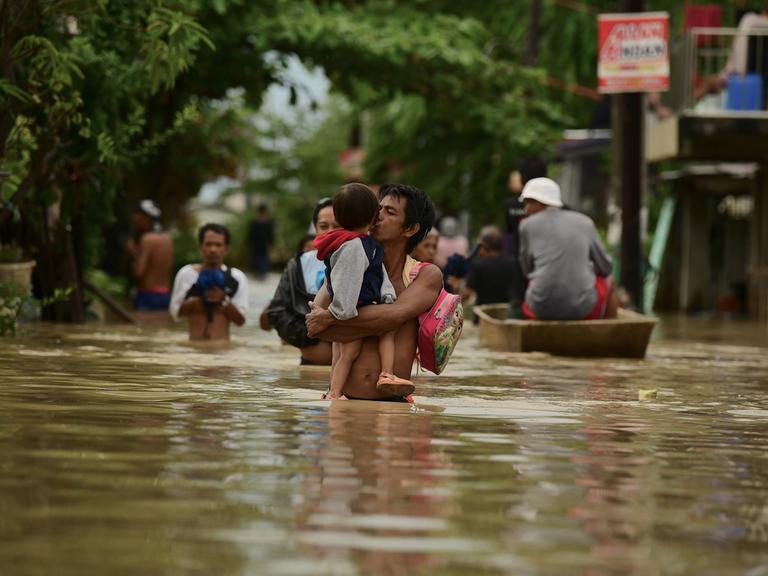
(534, 33)
(632, 161)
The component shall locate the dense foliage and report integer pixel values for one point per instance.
(104, 102)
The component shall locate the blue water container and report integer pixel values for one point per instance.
(744, 92)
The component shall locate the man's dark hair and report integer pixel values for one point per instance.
(322, 203)
(210, 227)
(532, 167)
(418, 210)
(355, 206)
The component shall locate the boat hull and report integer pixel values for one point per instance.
(624, 337)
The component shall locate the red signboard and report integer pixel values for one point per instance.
(633, 52)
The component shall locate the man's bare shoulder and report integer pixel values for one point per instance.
(156, 239)
(429, 276)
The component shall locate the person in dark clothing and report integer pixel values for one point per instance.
(298, 286)
(529, 168)
(261, 233)
(492, 275)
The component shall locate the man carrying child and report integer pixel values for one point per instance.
(405, 216)
(356, 277)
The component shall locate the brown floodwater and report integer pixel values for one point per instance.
(124, 450)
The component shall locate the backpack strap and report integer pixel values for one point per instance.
(230, 284)
(415, 269)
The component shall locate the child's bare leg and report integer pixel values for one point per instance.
(348, 352)
(388, 383)
(387, 352)
(335, 352)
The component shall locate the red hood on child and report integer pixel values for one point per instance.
(330, 241)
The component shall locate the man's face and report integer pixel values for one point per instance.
(426, 249)
(214, 249)
(325, 220)
(390, 224)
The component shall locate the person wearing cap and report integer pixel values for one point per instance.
(302, 278)
(568, 270)
(152, 259)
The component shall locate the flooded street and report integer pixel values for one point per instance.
(125, 450)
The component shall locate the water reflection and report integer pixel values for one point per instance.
(373, 493)
(125, 450)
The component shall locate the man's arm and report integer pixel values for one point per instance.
(322, 298)
(232, 313)
(141, 257)
(193, 305)
(216, 297)
(470, 285)
(237, 307)
(184, 280)
(602, 262)
(287, 321)
(348, 265)
(524, 258)
(374, 320)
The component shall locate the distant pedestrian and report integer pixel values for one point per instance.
(426, 250)
(450, 241)
(568, 269)
(302, 278)
(152, 259)
(491, 276)
(211, 295)
(529, 168)
(261, 234)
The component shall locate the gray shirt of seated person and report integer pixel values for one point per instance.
(561, 253)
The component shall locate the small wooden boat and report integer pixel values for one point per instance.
(624, 337)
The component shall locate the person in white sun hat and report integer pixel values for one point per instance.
(568, 270)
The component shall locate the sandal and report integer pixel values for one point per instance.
(391, 385)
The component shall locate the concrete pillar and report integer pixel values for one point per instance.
(695, 288)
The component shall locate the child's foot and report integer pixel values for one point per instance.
(391, 385)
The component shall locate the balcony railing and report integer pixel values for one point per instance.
(721, 71)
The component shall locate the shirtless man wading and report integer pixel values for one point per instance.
(405, 216)
(152, 259)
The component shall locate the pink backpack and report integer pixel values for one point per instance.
(439, 329)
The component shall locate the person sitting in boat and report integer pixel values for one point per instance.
(568, 269)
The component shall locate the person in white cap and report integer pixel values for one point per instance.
(568, 270)
(152, 259)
